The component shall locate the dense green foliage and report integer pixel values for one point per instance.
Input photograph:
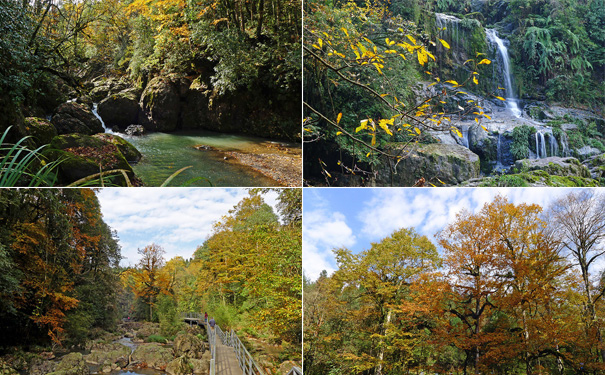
(556, 50)
(49, 50)
(56, 264)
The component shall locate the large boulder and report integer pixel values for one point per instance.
(179, 366)
(75, 118)
(120, 109)
(104, 87)
(108, 354)
(71, 364)
(40, 130)
(188, 345)
(130, 152)
(451, 164)
(82, 156)
(160, 105)
(40, 366)
(153, 355)
(554, 165)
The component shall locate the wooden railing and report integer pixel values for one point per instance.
(245, 360)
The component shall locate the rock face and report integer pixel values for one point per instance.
(40, 130)
(72, 364)
(105, 87)
(84, 155)
(160, 105)
(188, 345)
(153, 355)
(76, 118)
(555, 166)
(451, 164)
(120, 109)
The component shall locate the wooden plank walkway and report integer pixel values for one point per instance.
(226, 361)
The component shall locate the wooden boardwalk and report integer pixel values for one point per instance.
(226, 361)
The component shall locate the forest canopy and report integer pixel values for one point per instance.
(509, 289)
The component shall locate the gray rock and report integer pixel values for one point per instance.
(153, 355)
(160, 105)
(188, 345)
(71, 364)
(554, 165)
(75, 118)
(120, 109)
(451, 164)
(135, 130)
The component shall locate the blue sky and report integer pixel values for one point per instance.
(178, 219)
(356, 217)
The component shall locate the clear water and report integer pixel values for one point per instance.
(165, 153)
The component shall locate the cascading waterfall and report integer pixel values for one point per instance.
(511, 101)
(564, 145)
(554, 146)
(94, 112)
(540, 145)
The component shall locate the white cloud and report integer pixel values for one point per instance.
(323, 231)
(177, 219)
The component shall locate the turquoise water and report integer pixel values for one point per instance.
(164, 154)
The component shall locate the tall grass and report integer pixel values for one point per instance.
(21, 166)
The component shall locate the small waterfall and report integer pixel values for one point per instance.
(465, 139)
(564, 145)
(554, 146)
(540, 145)
(499, 162)
(94, 112)
(511, 101)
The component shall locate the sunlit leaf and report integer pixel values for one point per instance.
(484, 61)
(445, 44)
(338, 118)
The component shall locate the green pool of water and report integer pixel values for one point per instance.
(164, 154)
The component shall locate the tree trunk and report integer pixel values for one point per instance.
(261, 12)
(378, 370)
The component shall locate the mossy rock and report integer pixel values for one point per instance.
(71, 364)
(40, 130)
(153, 355)
(76, 118)
(180, 366)
(188, 345)
(450, 164)
(535, 178)
(107, 353)
(555, 166)
(120, 109)
(130, 152)
(82, 156)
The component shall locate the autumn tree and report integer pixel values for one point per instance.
(251, 264)
(580, 217)
(50, 240)
(505, 274)
(146, 280)
(382, 275)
